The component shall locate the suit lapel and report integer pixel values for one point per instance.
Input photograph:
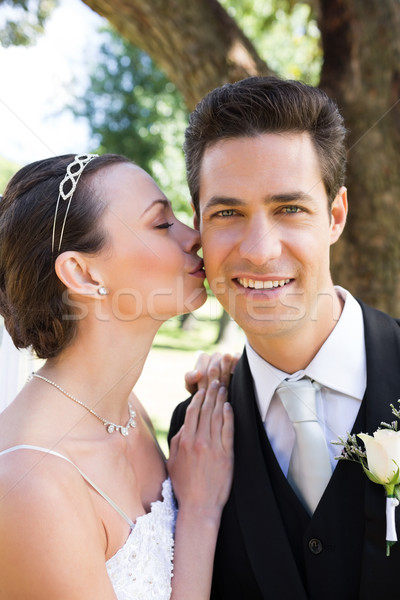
(382, 340)
(259, 516)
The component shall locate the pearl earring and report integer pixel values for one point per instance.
(102, 291)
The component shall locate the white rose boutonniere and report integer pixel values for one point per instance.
(380, 459)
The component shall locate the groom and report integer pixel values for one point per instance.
(266, 164)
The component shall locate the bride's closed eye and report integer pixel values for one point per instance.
(164, 226)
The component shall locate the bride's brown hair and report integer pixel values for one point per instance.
(31, 295)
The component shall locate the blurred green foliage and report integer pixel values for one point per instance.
(23, 20)
(133, 109)
(203, 333)
(284, 33)
(7, 170)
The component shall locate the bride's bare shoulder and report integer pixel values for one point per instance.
(48, 531)
(28, 474)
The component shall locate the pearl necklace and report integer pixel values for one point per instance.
(109, 425)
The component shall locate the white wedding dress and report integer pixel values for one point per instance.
(142, 568)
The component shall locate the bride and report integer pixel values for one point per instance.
(92, 262)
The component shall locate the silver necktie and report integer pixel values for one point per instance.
(309, 468)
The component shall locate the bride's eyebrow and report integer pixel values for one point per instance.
(165, 203)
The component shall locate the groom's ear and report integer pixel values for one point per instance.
(196, 223)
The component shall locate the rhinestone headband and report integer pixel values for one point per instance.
(70, 181)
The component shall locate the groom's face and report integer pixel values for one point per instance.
(266, 230)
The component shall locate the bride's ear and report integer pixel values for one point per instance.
(76, 273)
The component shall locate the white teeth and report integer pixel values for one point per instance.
(259, 285)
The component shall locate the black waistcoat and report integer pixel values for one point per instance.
(312, 541)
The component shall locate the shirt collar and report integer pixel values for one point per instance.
(340, 363)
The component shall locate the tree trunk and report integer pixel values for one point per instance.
(361, 43)
(200, 47)
(196, 43)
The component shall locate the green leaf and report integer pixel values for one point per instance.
(388, 546)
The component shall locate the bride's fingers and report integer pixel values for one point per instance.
(217, 418)
(174, 445)
(192, 379)
(209, 368)
(192, 414)
(198, 379)
(227, 433)
(226, 368)
(207, 410)
(220, 366)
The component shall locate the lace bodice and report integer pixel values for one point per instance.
(142, 568)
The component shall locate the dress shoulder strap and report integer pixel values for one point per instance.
(85, 477)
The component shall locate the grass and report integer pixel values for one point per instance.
(199, 330)
(198, 333)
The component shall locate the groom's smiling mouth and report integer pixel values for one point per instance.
(258, 284)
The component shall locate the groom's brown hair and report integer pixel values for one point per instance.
(258, 105)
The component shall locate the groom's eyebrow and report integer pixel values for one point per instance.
(222, 201)
(228, 201)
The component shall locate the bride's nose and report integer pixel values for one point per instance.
(190, 239)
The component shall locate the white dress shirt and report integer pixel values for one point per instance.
(339, 367)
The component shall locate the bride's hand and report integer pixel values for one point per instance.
(201, 454)
(209, 367)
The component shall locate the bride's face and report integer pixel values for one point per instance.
(150, 267)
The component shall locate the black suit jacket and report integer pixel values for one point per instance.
(267, 546)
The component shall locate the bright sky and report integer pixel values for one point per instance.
(36, 83)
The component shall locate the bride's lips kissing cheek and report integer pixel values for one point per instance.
(198, 270)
